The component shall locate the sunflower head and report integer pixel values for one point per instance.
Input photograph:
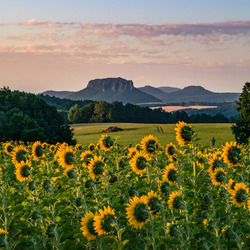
(106, 142)
(19, 154)
(87, 228)
(154, 203)
(70, 172)
(86, 158)
(171, 152)
(96, 167)
(23, 171)
(139, 162)
(172, 229)
(132, 152)
(37, 151)
(240, 194)
(8, 148)
(150, 144)
(165, 187)
(66, 157)
(218, 176)
(232, 154)
(170, 174)
(112, 178)
(215, 161)
(104, 222)
(91, 147)
(184, 133)
(137, 211)
(175, 201)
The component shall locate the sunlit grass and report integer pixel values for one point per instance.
(134, 132)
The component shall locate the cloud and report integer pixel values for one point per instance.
(151, 30)
(46, 24)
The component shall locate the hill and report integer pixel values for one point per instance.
(59, 94)
(156, 92)
(168, 89)
(199, 94)
(112, 89)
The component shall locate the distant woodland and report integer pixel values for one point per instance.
(101, 111)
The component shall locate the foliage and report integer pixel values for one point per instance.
(62, 103)
(241, 129)
(195, 200)
(28, 118)
(101, 111)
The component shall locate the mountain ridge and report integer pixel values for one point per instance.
(119, 89)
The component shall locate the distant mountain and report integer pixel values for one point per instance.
(59, 94)
(113, 89)
(168, 89)
(199, 94)
(156, 92)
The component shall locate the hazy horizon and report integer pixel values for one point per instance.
(62, 45)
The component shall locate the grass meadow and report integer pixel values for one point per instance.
(133, 132)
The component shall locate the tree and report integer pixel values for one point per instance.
(28, 118)
(241, 129)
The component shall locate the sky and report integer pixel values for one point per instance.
(63, 44)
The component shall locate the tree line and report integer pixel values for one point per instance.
(26, 117)
(101, 111)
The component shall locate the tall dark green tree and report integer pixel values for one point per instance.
(28, 118)
(241, 129)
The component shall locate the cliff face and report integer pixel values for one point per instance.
(114, 84)
(113, 89)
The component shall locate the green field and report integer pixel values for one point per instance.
(133, 133)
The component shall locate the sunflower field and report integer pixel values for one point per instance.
(105, 196)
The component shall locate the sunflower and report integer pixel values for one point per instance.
(150, 144)
(170, 174)
(78, 147)
(232, 154)
(154, 203)
(37, 151)
(137, 211)
(164, 187)
(2, 231)
(171, 152)
(132, 152)
(52, 148)
(19, 154)
(96, 167)
(139, 162)
(70, 172)
(248, 205)
(218, 176)
(104, 223)
(86, 157)
(184, 133)
(106, 143)
(138, 147)
(240, 194)
(23, 170)
(88, 226)
(201, 159)
(66, 157)
(216, 161)
(8, 148)
(172, 229)
(91, 147)
(230, 186)
(175, 200)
